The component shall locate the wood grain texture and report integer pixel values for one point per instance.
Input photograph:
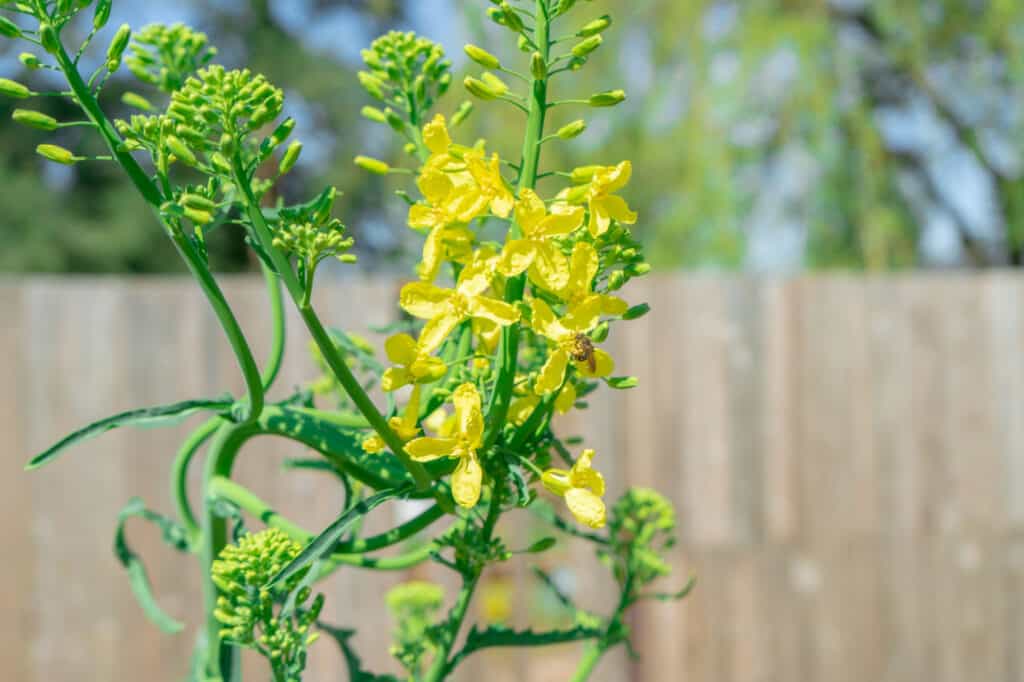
(846, 456)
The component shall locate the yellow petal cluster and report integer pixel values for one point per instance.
(582, 487)
(413, 363)
(537, 250)
(570, 343)
(597, 194)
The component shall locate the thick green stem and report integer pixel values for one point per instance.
(198, 269)
(508, 350)
(179, 476)
(591, 656)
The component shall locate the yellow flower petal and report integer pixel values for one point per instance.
(566, 399)
(583, 266)
(494, 310)
(437, 330)
(424, 300)
(600, 220)
(466, 481)
(550, 268)
(400, 349)
(521, 409)
(435, 186)
(583, 316)
(421, 216)
(516, 257)
(612, 305)
(394, 378)
(563, 220)
(427, 449)
(373, 444)
(604, 365)
(468, 415)
(545, 323)
(583, 475)
(618, 209)
(556, 481)
(435, 135)
(530, 211)
(551, 375)
(587, 507)
(474, 279)
(427, 369)
(618, 177)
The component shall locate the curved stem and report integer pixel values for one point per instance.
(179, 476)
(277, 341)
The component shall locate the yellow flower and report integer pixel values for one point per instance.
(488, 190)
(446, 308)
(597, 193)
(415, 365)
(447, 239)
(440, 422)
(571, 342)
(579, 287)
(582, 487)
(461, 444)
(405, 427)
(373, 445)
(537, 251)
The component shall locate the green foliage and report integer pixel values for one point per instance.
(414, 607)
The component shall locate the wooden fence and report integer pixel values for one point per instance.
(846, 455)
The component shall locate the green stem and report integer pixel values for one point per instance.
(179, 476)
(508, 349)
(192, 259)
(591, 655)
(277, 343)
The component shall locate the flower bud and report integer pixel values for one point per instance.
(571, 130)
(495, 84)
(373, 114)
(586, 46)
(482, 57)
(523, 43)
(479, 89)
(638, 269)
(178, 148)
(102, 15)
(34, 119)
(197, 216)
(616, 280)
(13, 89)
(49, 39)
(584, 173)
(291, 156)
(600, 333)
(607, 99)
(30, 61)
(57, 154)
(375, 166)
(136, 101)
(117, 46)
(371, 84)
(636, 312)
(594, 27)
(511, 18)
(197, 201)
(564, 6)
(8, 28)
(538, 67)
(462, 113)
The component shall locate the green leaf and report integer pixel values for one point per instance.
(542, 545)
(622, 383)
(356, 672)
(674, 596)
(147, 417)
(495, 636)
(173, 534)
(322, 544)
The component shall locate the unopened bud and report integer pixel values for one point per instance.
(511, 18)
(571, 130)
(291, 156)
(178, 148)
(538, 67)
(13, 89)
(34, 119)
(102, 15)
(371, 84)
(394, 120)
(586, 46)
(8, 28)
(373, 114)
(30, 61)
(607, 99)
(616, 280)
(584, 173)
(478, 88)
(48, 38)
(136, 101)
(375, 166)
(564, 6)
(523, 43)
(198, 217)
(482, 57)
(462, 113)
(57, 154)
(600, 333)
(495, 84)
(594, 27)
(117, 46)
(638, 269)
(197, 201)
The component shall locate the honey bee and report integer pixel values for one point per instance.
(583, 351)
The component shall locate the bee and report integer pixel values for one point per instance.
(583, 351)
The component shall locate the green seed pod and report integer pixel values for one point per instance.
(375, 166)
(462, 113)
(30, 61)
(586, 46)
(9, 29)
(99, 20)
(482, 57)
(178, 148)
(607, 99)
(49, 38)
(136, 101)
(571, 130)
(57, 154)
(477, 88)
(594, 27)
(117, 46)
(291, 156)
(373, 114)
(538, 67)
(13, 89)
(34, 119)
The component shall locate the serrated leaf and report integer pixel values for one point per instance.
(173, 534)
(498, 636)
(622, 383)
(147, 417)
(321, 545)
(356, 672)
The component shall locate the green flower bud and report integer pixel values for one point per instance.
(49, 38)
(607, 99)
(616, 280)
(117, 46)
(511, 18)
(462, 113)
(523, 44)
(13, 89)
(375, 166)
(538, 67)
(571, 130)
(30, 61)
(482, 57)
(495, 84)
(373, 114)
(198, 202)
(594, 27)
(586, 46)
(600, 333)
(371, 84)
(477, 88)
(410, 149)
(102, 15)
(281, 133)
(198, 217)
(638, 269)
(636, 312)
(584, 173)
(136, 101)
(57, 154)
(291, 156)
(564, 6)
(178, 148)
(8, 28)
(34, 119)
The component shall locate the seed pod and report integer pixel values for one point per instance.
(462, 113)
(571, 130)
(594, 27)
(57, 154)
(136, 101)
(102, 15)
(8, 28)
(482, 57)
(178, 148)
(13, 89)
(30, 61)
(34, 119)
(538, 67)
(117, 47)
(607, 99)
(375, 166)
(373, 114)
(49, 39)
(586, 46)
(291, 156)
